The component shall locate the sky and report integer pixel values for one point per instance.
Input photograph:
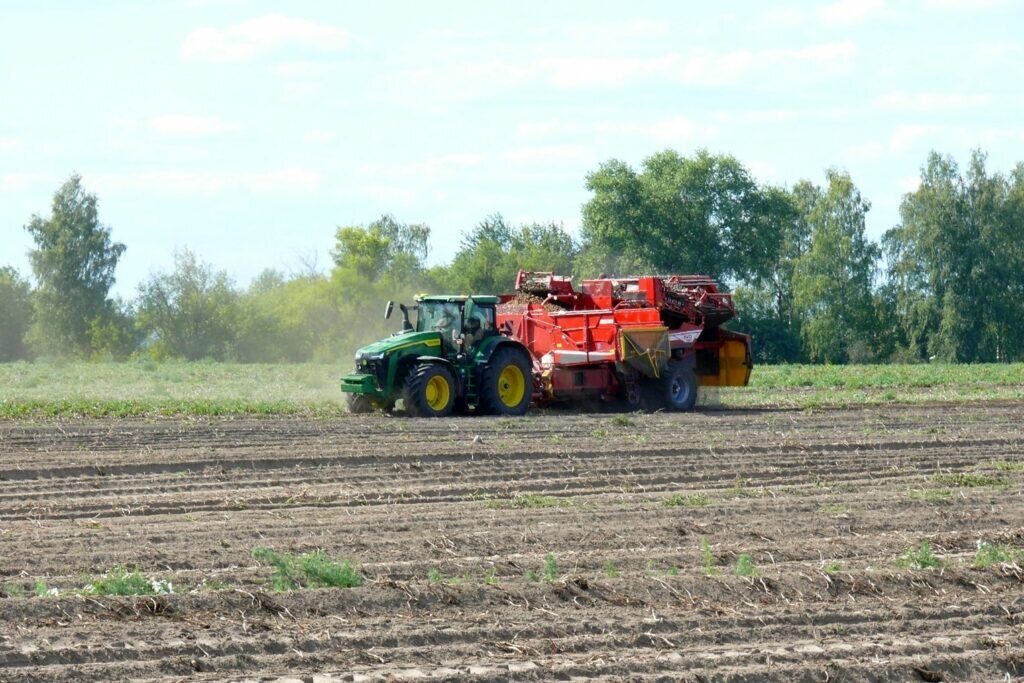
(249, 131)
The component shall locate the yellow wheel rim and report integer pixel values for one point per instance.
(511, 386)
(438, 393)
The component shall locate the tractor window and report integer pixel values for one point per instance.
(440, 317)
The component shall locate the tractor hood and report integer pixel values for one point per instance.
(407, 340)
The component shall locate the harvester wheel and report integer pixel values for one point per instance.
(358, 403)
(429, 391)
(679, 386)
(506, 384)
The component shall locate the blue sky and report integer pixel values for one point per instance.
(247, 131)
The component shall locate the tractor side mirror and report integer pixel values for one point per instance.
(388, 308)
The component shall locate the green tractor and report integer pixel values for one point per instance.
(452, 360)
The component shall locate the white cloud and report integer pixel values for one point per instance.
(319, 137)
(10, 144)
(434, 168)
(604, 34)
(905, 136)
(211, 182)
(865, 151)
(844, 12)
(178, 125)
(965, 4)
(699, 67)
(18, 182)
(547, 154)
(252, 38)
(925, 102)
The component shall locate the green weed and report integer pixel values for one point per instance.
(529, 500)
(1007, 466)
(610, 570)
(991, 554)
(835, 509)
(532, 576)
(550, 568)
(435, 576)
(932, 495)
(707, 558)
(745, 566)
(833, 567)
(310, 570)
(122, 581)
(622, 421)
(491, 577)
(968, 480)
(921, 557)
(696, 500)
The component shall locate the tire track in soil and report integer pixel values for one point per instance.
(187, 500)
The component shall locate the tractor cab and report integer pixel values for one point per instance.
(452, 357)
(463, 321)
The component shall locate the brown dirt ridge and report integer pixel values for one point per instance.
(720, 545)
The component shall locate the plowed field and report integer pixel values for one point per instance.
(721, 545)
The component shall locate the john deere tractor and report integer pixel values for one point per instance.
(452, 360)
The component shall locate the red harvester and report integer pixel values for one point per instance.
(649, 341)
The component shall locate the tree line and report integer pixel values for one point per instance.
(947, 282)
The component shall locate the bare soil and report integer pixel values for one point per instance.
(825, 504)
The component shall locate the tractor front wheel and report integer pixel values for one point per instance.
(679, 387)
(506, 385)
(359, 404)
(429, 391)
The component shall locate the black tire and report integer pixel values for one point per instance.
(679, 387)
(506, 383)
(358, 404)
(420, 393)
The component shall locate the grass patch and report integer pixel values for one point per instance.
(968, 480)
(921, 557)
(550, 568)
(622, 421)
(990, 554)
(309, 570)
(832, 567)
(745, 566)
(529, 500)
(610, 570)
(931, 495)
(122, 581)
(1007, 466)
(696, 500)
(707, 559)
(835, 509)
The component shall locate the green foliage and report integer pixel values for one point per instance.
(921, 557)
(990, 554)
(15, 315)
(73, 262)
(968, 479)
(957, 266)
(529, 500)
(493, 252)
(622, 421)
(832, 567)
(435, 575)
(707, 558)
(700, 214)
(550, 568)
(932, 495)
(610, 570)
(122, 581)
(309, 570)
(191, 312)
(832, 281)
(41, 589)
(745, 566)
(696, 500)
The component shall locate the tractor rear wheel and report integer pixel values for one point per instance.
(429, 391)
(679, 387)
(506, 384)
(358, 404)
